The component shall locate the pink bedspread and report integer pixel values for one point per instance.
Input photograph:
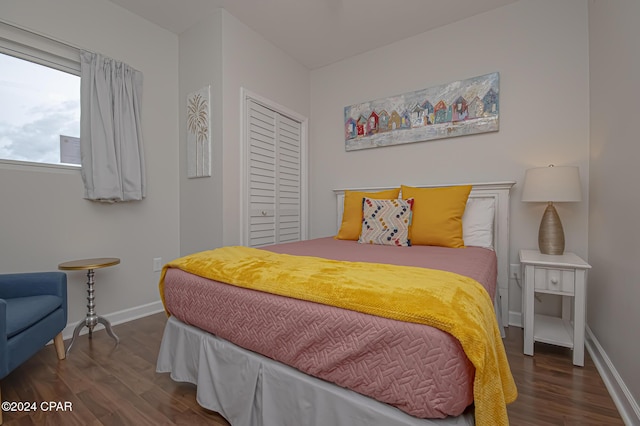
(419, 369)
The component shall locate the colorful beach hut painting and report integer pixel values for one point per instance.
(459, 108)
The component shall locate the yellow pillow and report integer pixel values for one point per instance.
(352, 213)
(437, 215)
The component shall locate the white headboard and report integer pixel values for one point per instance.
(499, 192)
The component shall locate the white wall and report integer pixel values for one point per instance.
(614, 286)
(45, 220)
(540, 49)
(223, 52)
(201, 199)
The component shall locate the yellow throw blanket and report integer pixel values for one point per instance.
(450, 302)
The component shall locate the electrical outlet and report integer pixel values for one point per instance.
(514, 271)
(157, 264)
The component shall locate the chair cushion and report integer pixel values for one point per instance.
(23, 312)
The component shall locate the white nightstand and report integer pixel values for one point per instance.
(566, 276)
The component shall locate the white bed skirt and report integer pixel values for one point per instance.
(249, 389)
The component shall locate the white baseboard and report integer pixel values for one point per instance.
(626, 404)
(118, 317)
(515, 319)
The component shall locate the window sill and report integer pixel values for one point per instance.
(40, 167)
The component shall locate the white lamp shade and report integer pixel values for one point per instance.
(555, 184)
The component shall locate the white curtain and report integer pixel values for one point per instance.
(111, 130)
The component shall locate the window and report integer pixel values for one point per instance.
(39, 113)
(40, 99)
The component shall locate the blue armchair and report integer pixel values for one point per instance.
(33, 310)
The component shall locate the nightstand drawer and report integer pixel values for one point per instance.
(555, 280)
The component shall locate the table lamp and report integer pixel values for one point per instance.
(551, 184)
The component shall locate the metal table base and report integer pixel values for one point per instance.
(92, 319)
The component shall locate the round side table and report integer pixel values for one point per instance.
(92, 318)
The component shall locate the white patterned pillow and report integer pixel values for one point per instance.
(386, 221)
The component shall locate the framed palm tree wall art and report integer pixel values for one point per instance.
(199, 133)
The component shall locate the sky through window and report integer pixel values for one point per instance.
(38, 106)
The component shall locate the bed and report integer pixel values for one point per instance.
(263, 358)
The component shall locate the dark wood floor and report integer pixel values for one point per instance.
(109, 385)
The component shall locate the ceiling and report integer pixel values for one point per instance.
(318, 32)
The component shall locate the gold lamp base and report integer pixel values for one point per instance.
(551, 234)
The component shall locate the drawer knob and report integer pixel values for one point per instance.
(554, 281)
(263, 212)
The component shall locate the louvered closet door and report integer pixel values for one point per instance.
(288, 178)
(274, 177)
